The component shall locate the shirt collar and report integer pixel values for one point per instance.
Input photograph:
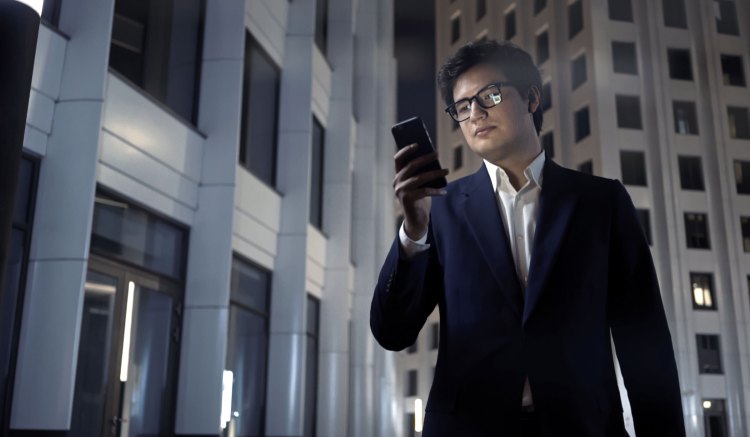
(533, 173)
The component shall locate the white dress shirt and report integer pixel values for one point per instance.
(519, 211)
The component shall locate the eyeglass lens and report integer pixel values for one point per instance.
(487, 98)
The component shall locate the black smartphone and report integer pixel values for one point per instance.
(413, 131)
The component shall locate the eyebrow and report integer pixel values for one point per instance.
(480, 90)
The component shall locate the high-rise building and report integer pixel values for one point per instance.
(654, 94)
(203, 204)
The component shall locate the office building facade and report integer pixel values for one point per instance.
(203, 204)
(654, 94)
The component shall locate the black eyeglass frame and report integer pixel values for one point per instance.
(476, 98)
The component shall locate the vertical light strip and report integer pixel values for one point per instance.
(418, 415)
(226, 398)
(126, 337)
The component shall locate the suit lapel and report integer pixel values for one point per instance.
(556, 205)
(482, 214)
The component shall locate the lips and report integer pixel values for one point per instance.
(482, 130)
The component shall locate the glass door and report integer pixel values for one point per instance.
(127, 354)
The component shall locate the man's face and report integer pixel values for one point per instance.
(502, 131)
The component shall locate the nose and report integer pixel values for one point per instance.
(477, 112)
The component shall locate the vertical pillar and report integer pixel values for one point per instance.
(48, 346)
(287, 343)
(205, 324)
(363, 222)
(336, 300)
(389, 418)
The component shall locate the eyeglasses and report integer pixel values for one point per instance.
(487, 97)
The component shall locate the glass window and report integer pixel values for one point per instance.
(732, 71)
(413, 348)
(12, 290)
(725, 12)
(321, 25)
(128, 233)
(250, 286)
(715, 418)
(685, 118)
(679, 64)
(623, 57)
(691, 173)
(316, 175)
(539, 5)
(455, 28)
(575, 18)
(510, 24)
(709, 356)
(94, 349)
(745, 225)
(582, 124)
(51, 12)
(578, 71)
(26, 177)
(311, 365)
(411, 383)
(435, 337)
(696, 231)
(409, 426)
(157, 46)
(742, 176)
(586, 167)
(702, 291)
(481, 9)
(620, 10)
(628, 112)
(260, 107)
(644, 219)
(674, 13)
(739, 123)
(546, 96)
(542, 47)
(548, 144)
(633, 166)
(458, 157)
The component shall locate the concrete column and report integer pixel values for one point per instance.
(333, 380)
(205, 324)
(287, 344)
(48, 349)
(362, 398)
(722, 219)
(389, 417)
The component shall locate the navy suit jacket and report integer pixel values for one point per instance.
(590, 273)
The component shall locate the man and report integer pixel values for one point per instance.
(531, 266)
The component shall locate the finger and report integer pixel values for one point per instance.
(414, 165)
(415, 182)
(401, 156)
(421, 193)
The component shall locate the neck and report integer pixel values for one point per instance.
(515, 163)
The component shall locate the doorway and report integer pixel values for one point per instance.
(127, 354)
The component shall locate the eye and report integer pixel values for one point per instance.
(462, 106)
(491, 96)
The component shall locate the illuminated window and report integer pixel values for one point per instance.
(701, 289)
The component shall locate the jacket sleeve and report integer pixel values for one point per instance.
(406, 293)
(639, 326)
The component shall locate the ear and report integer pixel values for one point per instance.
(535, 99)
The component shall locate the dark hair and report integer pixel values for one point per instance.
(512, 60)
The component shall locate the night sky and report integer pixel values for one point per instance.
(415, 53)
